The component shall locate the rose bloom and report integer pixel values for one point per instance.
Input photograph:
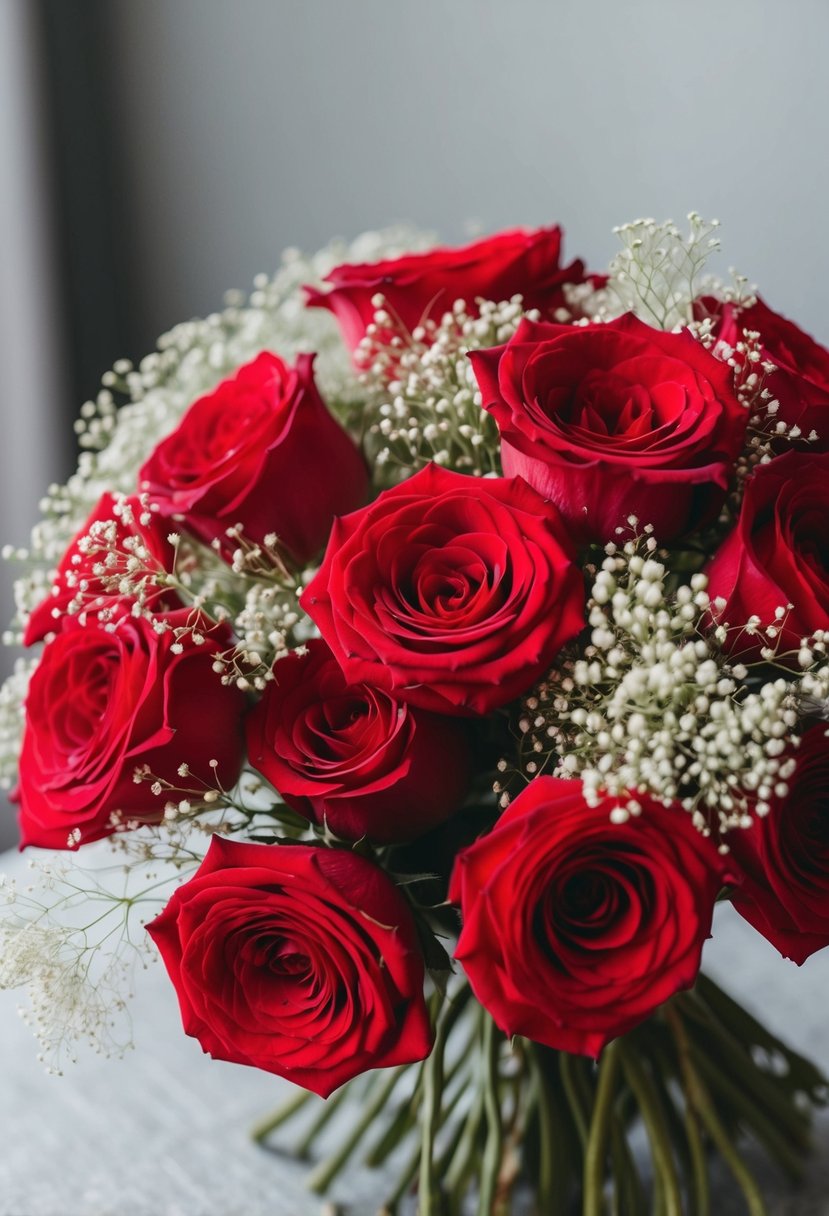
(777, 554)
(261, 450)
(299, 960)
(575, 929)
(614, 420)
(454, 593)
(76, 579)
(353, 756)
(423, 286)
(784, 858)
(800, 382)
(100, 704)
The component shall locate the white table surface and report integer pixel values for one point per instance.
(164, 1131)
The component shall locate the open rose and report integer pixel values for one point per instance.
(784, 858)
(455, 593)
(261, 450)
(421, 286)
(297, 960)
(118, 532)
(354, 756)
(777, 554)
(800, 381)
(100, 705)
(614, 420)
(574, 928)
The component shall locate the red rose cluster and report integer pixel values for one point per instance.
(114, 690)
(438, 603)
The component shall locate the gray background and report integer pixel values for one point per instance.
(259, 124)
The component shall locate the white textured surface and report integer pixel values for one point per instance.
(164, 1132)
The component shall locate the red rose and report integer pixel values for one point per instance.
(261, 450)
(354, 756)
(297, 960)
(800, 382)
(117, 526)
(101, 704)
(575, 929)
(777, 555)
(455, 593)
(423, 286)
(784, 858)
(615, 420)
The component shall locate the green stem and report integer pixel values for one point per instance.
(260, 1131)
(767, 1091)
(406, 1116)
(329, 1108)
(732, 1158)
(803, 1073)
(429, 1189)
(775, 1140)
(574, 1090)
(628, 1198)
(398, 1127)
(595, 1157)
(405, 1180)
(700, 1189)
(463, 1160)
(491, 1164)
(555, 1164)
(321, 1178)
(701, 1101)
(648, 1101)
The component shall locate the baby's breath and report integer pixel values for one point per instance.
(73, 939)
(766, 434)
(12, 719)
(659, 272)
(653, 705)
(422, 401)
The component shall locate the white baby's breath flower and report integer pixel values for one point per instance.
(72, 940)
(422, 401)
(653, 705)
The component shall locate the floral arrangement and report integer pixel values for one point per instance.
(434, 638)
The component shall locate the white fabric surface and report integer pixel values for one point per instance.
(164, 1131)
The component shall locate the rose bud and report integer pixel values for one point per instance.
(101, 704)
(615, 420)
(297, 960)
(776, 556)
(423, 286)
(575, 928)
(263, 451)
(353, 756)
(454, 593)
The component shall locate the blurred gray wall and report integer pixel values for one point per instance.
(30, 344)
(32, 450)
(262, 123)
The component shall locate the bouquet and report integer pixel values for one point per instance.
(434, 638)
